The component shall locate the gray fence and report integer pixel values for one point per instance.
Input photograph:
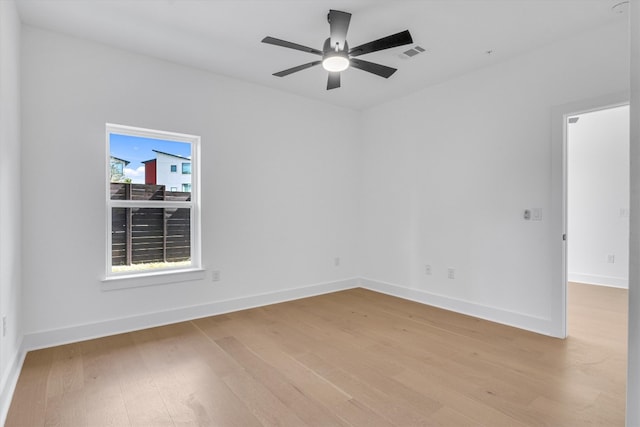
(144, 235)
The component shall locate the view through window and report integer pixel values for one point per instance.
(152, 203)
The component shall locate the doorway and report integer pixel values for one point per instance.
(597, 219)
(558, 218)
(598, 197)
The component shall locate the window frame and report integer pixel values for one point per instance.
(194, 271)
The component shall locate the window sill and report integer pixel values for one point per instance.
(151, 279)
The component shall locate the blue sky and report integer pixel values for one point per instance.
(136, 149)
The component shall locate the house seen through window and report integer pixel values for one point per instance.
(151, 225)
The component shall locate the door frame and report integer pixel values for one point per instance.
(559, 116)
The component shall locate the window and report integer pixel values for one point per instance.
(186, 168)
(174, 168)
(151, 227)
(116, 172)
(117, 169)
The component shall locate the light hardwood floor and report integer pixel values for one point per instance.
(350, 358)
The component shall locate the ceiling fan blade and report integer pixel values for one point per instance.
(295, 69)
(371, 67)
(394, 40)
(334, 81)
(290, 45)
(339, 25)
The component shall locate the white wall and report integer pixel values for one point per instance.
(598, 197)
(633, 359)
(449, 170)
(10, 206)
(446, 175)
(280, 200)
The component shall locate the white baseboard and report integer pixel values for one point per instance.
(71, 334)
(50, 338)
(519, 320)
(9, 382)
(594, 279)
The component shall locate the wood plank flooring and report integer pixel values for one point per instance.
(351, 358)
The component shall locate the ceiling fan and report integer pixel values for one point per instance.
(336, 54)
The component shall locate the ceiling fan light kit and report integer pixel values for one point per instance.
(336, 55)
(335, 61)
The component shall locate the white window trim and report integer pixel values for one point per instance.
(160, 277)
(195, 271)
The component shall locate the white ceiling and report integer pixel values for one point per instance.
(223, 36)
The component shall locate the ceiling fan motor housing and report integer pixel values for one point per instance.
(328, 47)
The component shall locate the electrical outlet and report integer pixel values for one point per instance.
(451, 273)
(611, 259)
(336, 261)
(427, 270)
(215, 276)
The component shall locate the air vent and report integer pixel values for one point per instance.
(412, 52)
